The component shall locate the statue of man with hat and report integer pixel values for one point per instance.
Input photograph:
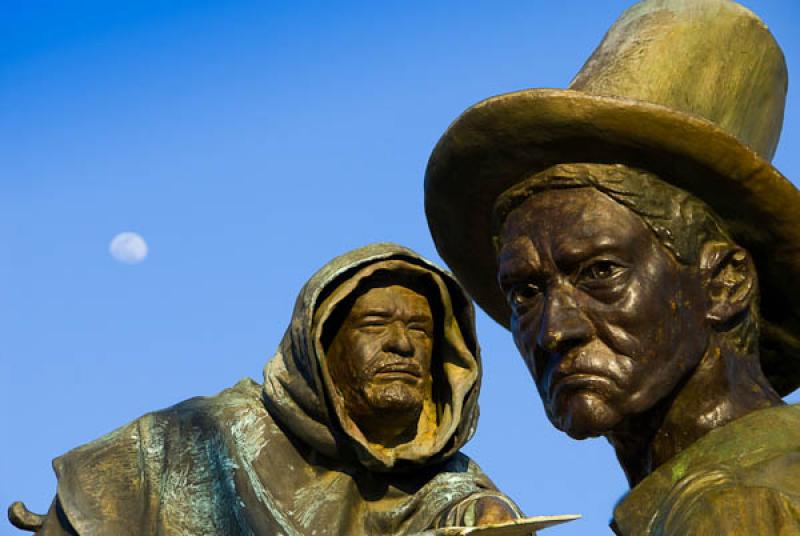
(633, 235)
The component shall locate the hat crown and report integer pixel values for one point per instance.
(709, 58)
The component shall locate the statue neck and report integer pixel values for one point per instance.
(726, 384)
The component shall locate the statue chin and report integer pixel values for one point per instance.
(583, 414)
(394, 397)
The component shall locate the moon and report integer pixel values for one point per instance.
(128, 248)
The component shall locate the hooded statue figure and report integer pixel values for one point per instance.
(286, 457)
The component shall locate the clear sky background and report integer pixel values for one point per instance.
(249, 142)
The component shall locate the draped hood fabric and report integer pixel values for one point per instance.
(280, 458)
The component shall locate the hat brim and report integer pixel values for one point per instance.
(504, 139)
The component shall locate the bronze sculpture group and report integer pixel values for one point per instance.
(633, 236)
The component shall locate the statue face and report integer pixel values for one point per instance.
(607, 320)
(380, 359)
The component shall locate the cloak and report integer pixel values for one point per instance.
(283, 458)
(741, 478)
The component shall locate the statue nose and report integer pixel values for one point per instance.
(398, 340)
(563, 324)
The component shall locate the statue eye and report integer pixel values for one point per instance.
(522, 293)
(600, 271)
(420, 329)
(371, 325)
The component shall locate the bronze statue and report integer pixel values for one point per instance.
(356, 429)
(632, 234)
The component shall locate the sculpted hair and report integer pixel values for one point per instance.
(680, 221)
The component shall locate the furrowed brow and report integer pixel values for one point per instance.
(513, 270)
(516, 262)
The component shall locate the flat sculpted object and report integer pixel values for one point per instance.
(518, 527)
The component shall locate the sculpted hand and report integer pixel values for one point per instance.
(489, 510)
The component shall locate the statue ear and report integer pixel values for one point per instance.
(731, 280)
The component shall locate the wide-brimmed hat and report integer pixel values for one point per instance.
(691, 90)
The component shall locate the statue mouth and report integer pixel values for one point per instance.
(592, 367)
(399, 371)
(563, 383)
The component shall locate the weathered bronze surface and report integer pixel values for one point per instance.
(356, 429)
(648, 260)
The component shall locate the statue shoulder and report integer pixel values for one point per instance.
(106, 484)
(755, 460)
(151, 428)
(736, 508)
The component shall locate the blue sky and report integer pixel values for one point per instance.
(250, 142)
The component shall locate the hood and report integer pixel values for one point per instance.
(298, 390)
